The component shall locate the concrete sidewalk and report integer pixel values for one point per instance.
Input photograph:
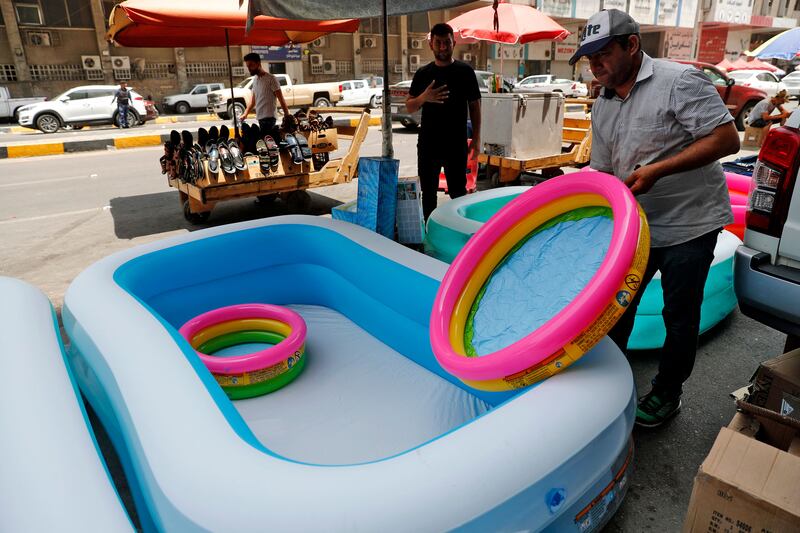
(172, 119)
(117, 140)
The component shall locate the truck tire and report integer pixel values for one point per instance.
(373, 102)
(236, 110)
(321, 101)
(741, 118)
(48, 123)
(182, 108)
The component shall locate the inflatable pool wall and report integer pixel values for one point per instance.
(373, 435)
(54, 478)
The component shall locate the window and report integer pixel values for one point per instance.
(359, 85)
(766, 76)
(216, 86)
(345, 86)
(30, 14)
(200, 90)
(715, 77)
(99, 93)
(80, 14)
(375, 26)
(282, 81)
(418, 23)
(55, 13)
(78, 95)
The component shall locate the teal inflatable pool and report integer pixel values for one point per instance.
(453, 223)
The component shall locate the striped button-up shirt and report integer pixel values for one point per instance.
(670, 106)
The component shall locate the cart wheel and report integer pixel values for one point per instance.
(494, 178)
(194, 218)
(548, 173)
(267, 199)
(298, 202)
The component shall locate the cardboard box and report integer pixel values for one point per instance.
(776, 385)
(410, 220)
(747, 483)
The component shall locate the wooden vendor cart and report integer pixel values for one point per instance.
(577, 150)
(289, 180)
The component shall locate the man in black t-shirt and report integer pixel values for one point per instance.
(444, 89)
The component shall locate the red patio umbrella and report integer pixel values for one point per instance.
(516, 24)
(756, 64)
(192, 23)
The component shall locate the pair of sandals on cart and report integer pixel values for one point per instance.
(262, 143)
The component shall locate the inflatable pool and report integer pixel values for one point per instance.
(453, 223)
(373, 435)
(53, 476)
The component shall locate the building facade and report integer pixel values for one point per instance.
(48, 46)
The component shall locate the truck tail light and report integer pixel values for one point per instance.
(340, 88)
(773, 181)
(574, 86)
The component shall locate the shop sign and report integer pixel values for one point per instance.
(580, 9)
(567, 48)
(732, 11)
(508, 52)
(678, 44)
(277, 53)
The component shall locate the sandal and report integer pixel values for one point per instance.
(202, 136)
(236, 154)
(302, 142)
(224, 133)
(264, 159)
(274, 153)
(226, 160)
(213, 157)
(213, 134)
(294, 149)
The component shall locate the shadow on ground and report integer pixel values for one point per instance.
(151, 214)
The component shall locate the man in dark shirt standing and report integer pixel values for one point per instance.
(444, 89)
(123, 99)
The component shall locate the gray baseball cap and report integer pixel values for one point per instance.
(601, 28)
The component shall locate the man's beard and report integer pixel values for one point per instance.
(444, 56)
(253, 72)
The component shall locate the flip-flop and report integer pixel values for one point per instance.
(236, 154)
(224, 133)
(202, 136)
(274, 152)
(294, 149)
(187, 138)
(163, 161)
(302, 142)
(264, 159)
(174, 138)
(213, 133)
(255, 135)
(226, 160)
(213, 157)
(328, 122)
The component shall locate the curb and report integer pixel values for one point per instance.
(137, 141)
(157, 120)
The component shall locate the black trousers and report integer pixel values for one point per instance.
(267, 127)
(434, 155)
(684, 269)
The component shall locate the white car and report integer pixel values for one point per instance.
(758, 79)
(194, 99)
(792, 82)
(360, 93)
(80, 106)
(549, 83)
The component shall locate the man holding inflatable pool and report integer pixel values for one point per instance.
(661, 127)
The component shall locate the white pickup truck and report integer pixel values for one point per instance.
(9, 106)
(305, 94)
(196, 98)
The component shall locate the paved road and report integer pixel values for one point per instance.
(58, 214)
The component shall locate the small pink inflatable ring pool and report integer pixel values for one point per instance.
(292, 344)
(579, 325)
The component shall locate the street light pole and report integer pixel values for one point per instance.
(386, 121)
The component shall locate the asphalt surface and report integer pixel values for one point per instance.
(59, 214)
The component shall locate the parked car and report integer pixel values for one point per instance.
(759, 79)
(359, 93)
(399, 95)
(792, 82)
(197, 98)
(739, 98)
(10, 106)
(767, 265)
(300, 95)
(549, 83)
(81, 106)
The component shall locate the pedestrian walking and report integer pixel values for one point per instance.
(123, 98)
(266, 91)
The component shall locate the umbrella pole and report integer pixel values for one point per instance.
(386, 122)
(230, 78)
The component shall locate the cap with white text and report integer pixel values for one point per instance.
(601, 28)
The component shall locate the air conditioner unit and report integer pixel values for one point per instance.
(413, 60)
(91, 63)
(329, 67)
(121, 63)
(416, 44)
(121, 73)
(466, 57)
(322, 42)
(316, 59)
(239, 72)
(398, 68)
(39, 38)
(369, 42)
